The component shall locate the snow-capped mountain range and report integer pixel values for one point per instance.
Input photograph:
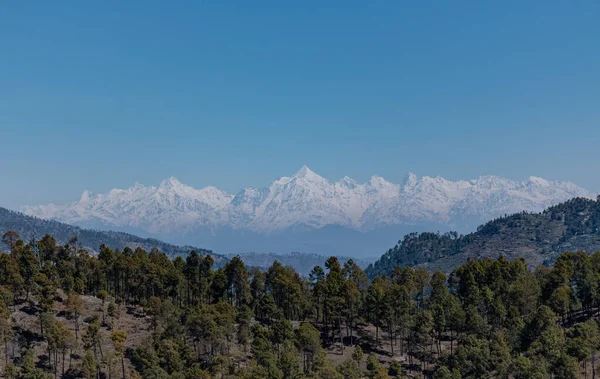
(307, 201)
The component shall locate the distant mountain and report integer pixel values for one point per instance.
(303, 263)
(537, 237)
(306, 212)
(30, 227)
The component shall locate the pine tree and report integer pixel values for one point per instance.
(118, 337)
(89, 366)
(74, 305)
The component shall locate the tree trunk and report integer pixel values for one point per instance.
(392, 341)
(5, 350)
(348, 330)
(585, 368)
(341, 336)
(304, 361)
(123, 366)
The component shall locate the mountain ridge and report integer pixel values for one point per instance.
(536, 237)
(306, 200)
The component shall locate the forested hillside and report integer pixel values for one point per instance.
(537, 237)
(30, 228)
(138, 314)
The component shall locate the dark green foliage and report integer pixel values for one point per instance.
(537, 237)
(29, 227)
(417, 248)
(487, 318)
(350, 369)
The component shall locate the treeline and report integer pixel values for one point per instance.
(488, 318)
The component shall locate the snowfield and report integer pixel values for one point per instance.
(309, 200)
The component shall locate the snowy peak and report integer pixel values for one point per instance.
(306, 199)
(306, 177)
(410, 180)
(378, 182)
(169, 184)
(85, 196)
(306, 173)
(347, 182)
(539, 181)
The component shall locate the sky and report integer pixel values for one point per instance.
(98, 95)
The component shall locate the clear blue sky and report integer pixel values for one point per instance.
(96, 95)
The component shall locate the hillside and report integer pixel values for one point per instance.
(30, 227)
(537, 237)
(138, 314)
